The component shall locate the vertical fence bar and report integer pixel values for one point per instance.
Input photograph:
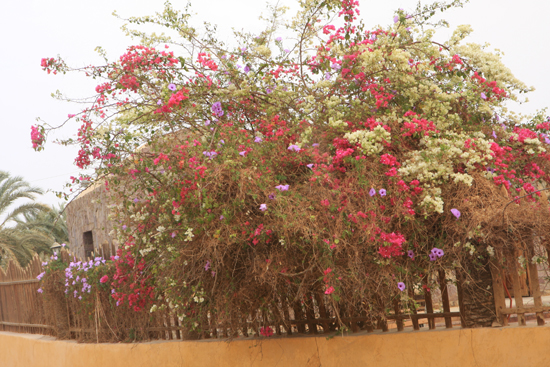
(445, 298)
(498, 293)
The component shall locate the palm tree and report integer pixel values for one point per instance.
(17, 243)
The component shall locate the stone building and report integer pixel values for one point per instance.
(87, 222)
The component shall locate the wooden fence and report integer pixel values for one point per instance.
(22, 309)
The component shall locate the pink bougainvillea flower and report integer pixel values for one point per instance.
(410, 254)
(456, 213)
(104, 279)
(263, 207)
(483, 95)
(382, 192)
(266, 331)
(282, 187)
(401, 286)
(172, 86)
(329, 290)
(372, 192)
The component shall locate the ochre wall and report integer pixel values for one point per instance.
(511, 346)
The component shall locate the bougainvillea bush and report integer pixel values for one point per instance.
(320, 158)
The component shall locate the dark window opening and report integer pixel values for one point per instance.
(88, 244)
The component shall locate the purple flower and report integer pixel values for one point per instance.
(497, 118)
(494, 134)
(315, 144)
(279, 39)
(282, 187)
(210, 154)
(433, 257)
(217, 108)
(207, 122)
(258, 139)
(222, 141)
(456, 213)
(243, 49)
(271, 196)
(246, 69)
(310, 165)
(172, 86)
(63, 244)
(124, 227)
(263, 207)
(287, 50)
(136, 200)
(401, 286)
(382, 192)
(159, 102)
(294, 148)
(173, 234)
(410, 254)
(268, 90)
(327, 75)
(372, 192)
(335, 66)
(207, 266)
(396, 19)
(483, 95)
(439, 252)
(243, 153)
(222, 217)
(546, 140)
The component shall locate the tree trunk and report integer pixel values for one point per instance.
(478, 307)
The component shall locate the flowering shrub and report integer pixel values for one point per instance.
(245, 178)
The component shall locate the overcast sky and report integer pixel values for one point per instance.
(31, 30)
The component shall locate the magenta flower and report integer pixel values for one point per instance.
(372, 192)
(282, 187)
(104, 279)
(456, 213)
(401, 286)
(217, 109)
(246, 69)
(410, 254)
(432, 257)
(329, 290)
(263, 207)
(172, 86)
(207, 266)
(382, 192)
(271, 196)
(439, 253)
(483, 95)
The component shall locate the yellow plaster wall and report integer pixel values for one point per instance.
(511, 346)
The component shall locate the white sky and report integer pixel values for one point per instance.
(33, 29)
